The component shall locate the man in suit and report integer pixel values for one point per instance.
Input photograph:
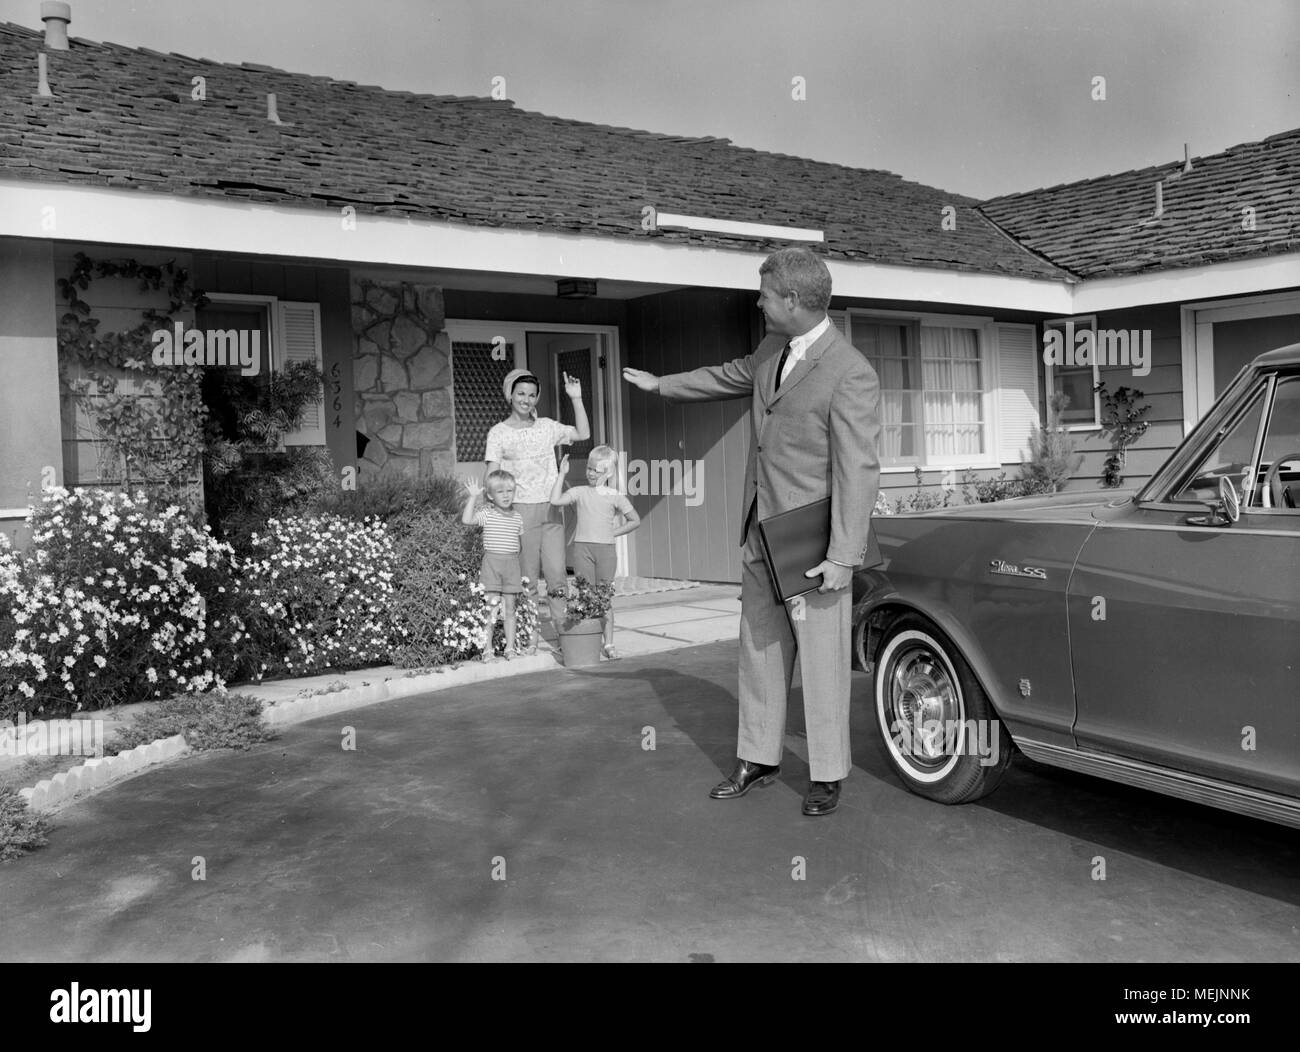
(815, 418)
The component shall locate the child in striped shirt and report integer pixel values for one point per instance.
(499, 574)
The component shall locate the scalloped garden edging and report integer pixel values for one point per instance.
(100, 772)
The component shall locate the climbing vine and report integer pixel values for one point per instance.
(1122, 418)
(151, 428)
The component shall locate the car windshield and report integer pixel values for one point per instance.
(1230, 455)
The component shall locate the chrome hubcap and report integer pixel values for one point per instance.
(923, 697)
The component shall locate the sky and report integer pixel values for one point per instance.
(975, 97)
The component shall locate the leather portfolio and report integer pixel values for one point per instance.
(794, 542)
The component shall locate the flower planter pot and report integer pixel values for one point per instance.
(580, 641)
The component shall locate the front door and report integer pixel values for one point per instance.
(579, 354)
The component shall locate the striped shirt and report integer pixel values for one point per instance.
(501, 529)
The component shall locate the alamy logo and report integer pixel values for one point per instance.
(933, 738)
(76, 1005)
(51, 737)
(1112, 347)
(664, 478)
(181, 346)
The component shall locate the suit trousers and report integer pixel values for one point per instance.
(767, 653)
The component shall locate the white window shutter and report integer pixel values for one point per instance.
(298, 335)
(1017, 401)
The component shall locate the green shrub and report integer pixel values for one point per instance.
(922, 499)
(396, 500)
(208, 721)
(266, 485)
(988, 490)
(21, 829)
(247, 477)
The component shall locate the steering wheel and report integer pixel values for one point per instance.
(1281, 494)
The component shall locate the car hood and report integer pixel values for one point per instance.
(1074, 506)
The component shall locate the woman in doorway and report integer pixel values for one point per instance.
(524, 445)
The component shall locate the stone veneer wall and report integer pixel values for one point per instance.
(402, 378)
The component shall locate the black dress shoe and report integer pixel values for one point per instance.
(743, 779)
(822, 798)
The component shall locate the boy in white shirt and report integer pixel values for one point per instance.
(600, 509)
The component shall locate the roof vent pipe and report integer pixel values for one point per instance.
(1160, 199)
(56, 16)
(1187, 159)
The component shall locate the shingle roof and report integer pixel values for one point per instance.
(1105, 226)
(123, 117)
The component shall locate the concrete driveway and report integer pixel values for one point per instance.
(610, 851)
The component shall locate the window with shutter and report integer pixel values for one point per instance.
(1017, 404)
(298, 339)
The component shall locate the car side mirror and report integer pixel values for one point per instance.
(1229, 498)
(1225, 511)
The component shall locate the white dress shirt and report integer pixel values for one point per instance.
(799, 347)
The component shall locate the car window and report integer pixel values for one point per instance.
(1231, 455)
(1281, 443)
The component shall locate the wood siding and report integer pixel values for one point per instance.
(1161, 388)
(674, 332)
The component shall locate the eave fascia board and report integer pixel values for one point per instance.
(63, 212)
(1188, 284)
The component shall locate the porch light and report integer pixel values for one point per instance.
(575, 288)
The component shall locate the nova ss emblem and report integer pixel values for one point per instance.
(1012, 570)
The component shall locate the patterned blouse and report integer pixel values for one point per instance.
(528, 453)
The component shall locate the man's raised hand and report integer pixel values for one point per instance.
(642, 379)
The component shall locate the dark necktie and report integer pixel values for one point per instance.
(780, 366)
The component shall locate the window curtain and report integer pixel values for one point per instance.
(950, 370)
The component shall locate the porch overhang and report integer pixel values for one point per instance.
(131, 217)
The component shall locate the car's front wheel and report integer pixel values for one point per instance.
(939, 729)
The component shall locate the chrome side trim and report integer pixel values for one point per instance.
(1257, 803)
(1239, 531)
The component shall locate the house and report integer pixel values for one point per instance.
(421, 246)
(1201, 257)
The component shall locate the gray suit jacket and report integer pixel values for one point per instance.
(815, 438)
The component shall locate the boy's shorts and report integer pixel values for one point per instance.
(500, 573)
(596, 562)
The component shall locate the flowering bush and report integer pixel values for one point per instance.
(319, 591)
(107, 605)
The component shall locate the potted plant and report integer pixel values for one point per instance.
(586, 605)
